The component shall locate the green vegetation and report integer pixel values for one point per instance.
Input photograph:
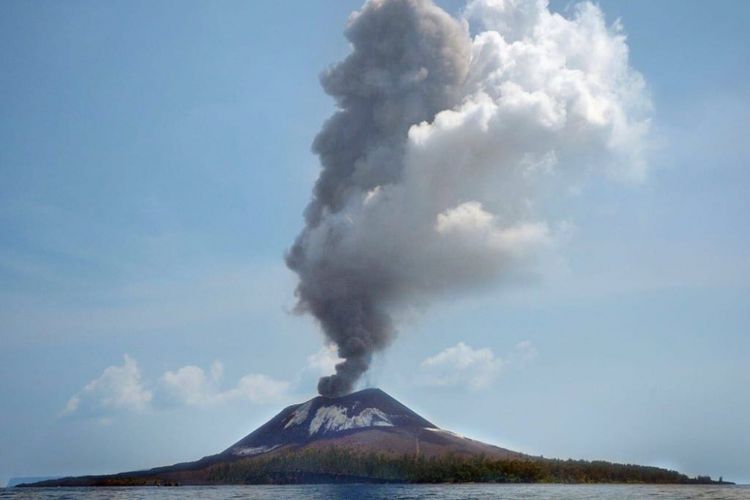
(343, 465)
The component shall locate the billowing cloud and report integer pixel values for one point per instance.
(450, 140)
(117, 388)
(191, 385)
(462, 365)
(121, 388)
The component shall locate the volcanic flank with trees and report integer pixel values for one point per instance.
(368, 436)
(450, 138)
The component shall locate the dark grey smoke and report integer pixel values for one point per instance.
(408, 62)
(438, 154)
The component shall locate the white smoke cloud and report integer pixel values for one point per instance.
(117, 388)
(513, 19)
(324, 361)
(531, 106)
(463, 366)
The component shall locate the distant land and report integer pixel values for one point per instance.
(369, 437)
(15, 481)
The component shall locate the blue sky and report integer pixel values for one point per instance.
(155, 161)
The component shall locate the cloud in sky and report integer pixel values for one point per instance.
(462, 365)
(522, 354)
(121, 388)
(190, 385)
(256, 388)
(324, 360)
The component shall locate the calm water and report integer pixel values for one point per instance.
(373, 492)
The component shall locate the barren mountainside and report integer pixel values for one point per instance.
(366, 421)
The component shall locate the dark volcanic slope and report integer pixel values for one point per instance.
(368, 421)
(321, 418)
(365, 421)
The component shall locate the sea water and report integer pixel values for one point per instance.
(390, 491)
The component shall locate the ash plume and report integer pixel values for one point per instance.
(441, 151)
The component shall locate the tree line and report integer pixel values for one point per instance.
(343, 465)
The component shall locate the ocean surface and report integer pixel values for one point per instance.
(378, 492)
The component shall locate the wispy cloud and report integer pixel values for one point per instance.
(464, 366)
(256, 388)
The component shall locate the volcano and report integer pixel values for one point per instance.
(368, 421)
(366, 436)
